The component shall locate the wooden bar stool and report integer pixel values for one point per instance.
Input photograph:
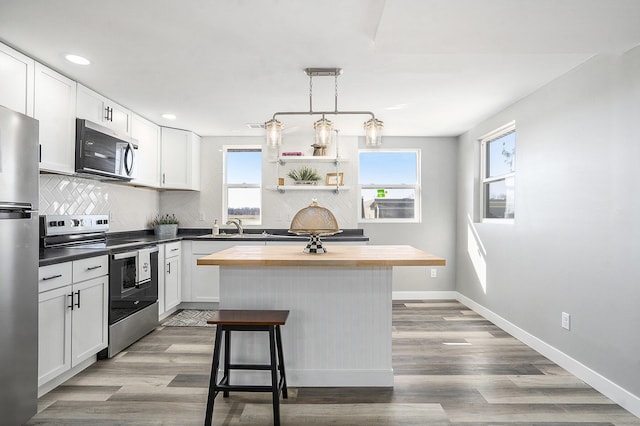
(228, 320)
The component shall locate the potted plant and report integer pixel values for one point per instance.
(304, 176)
(165, 225)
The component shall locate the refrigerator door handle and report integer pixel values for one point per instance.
(26, 207)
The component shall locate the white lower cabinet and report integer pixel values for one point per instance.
(203, 284)
(172, 264)
(54, 332)
(89, 319)
(73, 314)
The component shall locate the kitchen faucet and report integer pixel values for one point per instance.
(238, 223)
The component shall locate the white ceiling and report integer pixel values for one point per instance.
(424, 67)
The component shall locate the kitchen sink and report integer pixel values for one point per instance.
(234, 236)
(246, 236)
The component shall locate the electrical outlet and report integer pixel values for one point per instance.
(566, 321)
(434, 273)
(201, 216)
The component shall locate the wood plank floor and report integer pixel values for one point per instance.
(452, 367)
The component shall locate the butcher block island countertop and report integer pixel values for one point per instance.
(292, 255)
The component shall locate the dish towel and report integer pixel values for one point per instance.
(144, 265)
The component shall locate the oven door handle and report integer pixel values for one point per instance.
(125, 255)
(128, 254)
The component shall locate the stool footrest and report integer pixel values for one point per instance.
(244, 388)
(249, 367)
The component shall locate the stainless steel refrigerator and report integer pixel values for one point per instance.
(18, 267)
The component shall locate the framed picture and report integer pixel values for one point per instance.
(335, 179)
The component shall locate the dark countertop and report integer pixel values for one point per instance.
(347, 235)
(121, 241)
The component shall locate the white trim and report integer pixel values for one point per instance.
(616, 393)
(417, 208)
(484, 180)
(502, 221)
(424, 295)
(496, 133)
(226, 186)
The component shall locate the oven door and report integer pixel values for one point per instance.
(127, 294)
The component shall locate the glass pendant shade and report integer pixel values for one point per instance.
(373, 132)
(274, 132)
(324, 128)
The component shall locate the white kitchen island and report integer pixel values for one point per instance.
(339, 328)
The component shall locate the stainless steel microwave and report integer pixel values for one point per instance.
(100, 151)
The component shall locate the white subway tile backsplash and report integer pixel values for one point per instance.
(130, 208)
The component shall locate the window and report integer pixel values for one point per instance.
(498, 175)
(389, 185)
(242, 186)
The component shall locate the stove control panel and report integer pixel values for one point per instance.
(73, 224)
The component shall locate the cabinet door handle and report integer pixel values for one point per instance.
(71, 296)
(106, 113)
(175, 249)
(91, 268)
(51, 277)
(78, 304)
(163, 178)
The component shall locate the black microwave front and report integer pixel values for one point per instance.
(101, 151)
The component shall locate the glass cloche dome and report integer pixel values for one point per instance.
(316, 221)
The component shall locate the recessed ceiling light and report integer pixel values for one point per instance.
(169, 116)
(78, 60)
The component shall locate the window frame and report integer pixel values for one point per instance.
(484, 180)
(417, 188)
(226, 186)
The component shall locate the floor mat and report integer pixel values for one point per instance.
(189, 318)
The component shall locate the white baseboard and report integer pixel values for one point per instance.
(614, 392)
(424, 295)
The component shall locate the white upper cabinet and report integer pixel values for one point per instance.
(180, 159)
(16, 80)
(95, 107)
(55, 108)
(147, 168)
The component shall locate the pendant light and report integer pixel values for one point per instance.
(323, 127)
(373, 132)
(274, 133)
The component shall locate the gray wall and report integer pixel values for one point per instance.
(575, 244)
(434, 234)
